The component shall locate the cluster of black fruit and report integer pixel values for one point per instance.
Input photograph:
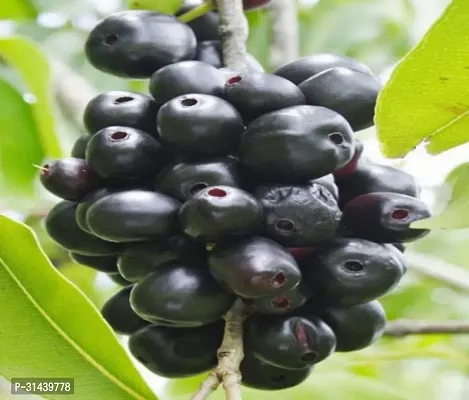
(225, 185)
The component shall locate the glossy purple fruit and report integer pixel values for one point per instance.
(118, 313)
(187, 77)
(306, 67)
(296, 144)
(254, 267)
(283, 303)
(328, 181)
(205, 27)
(218, 212)
(289, 342)
(352, 165)
(136, 43)
(346, 272)
(200, 125)
(182, 293)
(63, 229)
(351, 93)
(86, 203)
(106, 264)
(384, 217)
(177, 352)
(371, 178)
(137, 260)
(356, 327)
(79, 148)
(257, 93)
(257, 374)
(183, 180)
(69, 178)
(299, 215)
(133, 215)
(121, 108)
(122, 153)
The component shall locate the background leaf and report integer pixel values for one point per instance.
(17, 9)
(163, 6)
(25, 57)
(38, 303)
(456, 213)
(19, 144)
(425, 98)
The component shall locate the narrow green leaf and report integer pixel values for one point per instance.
(456, 213)
(27, 59)
(17, 10)
(162, 6)
(49, 329)
(425, 98)
(19, 145)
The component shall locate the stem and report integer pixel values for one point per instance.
(451, 275)
(207, 387)
(197, 12)
(285, 32)
(230, 355)
(72, 92)
(402, 328)
(234, 31)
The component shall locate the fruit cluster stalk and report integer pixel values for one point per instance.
(234, 31)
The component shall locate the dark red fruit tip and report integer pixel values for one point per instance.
(217, 192)
(278, 280)
(400, 214)
(353, 266)
(285, 225)
(336, 138)
(123, 99)
(234, 80)
(197, 187)
(309, 357)
(119, 135)
(45, 169)
(280, 302)
(111, 39)
(189, 102)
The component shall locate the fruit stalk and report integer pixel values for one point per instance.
(196, 12)
(72, 92)
(230, 354)
(403, 327)
(441, 271)
(285, 35)
(233, 30)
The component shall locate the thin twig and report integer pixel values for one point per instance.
(230, 355)
(400, 328)
(72, 92)
(207, 387)
(285, 34)
(234, 31)
(450, 274)
(197, 12)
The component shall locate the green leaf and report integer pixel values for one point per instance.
(26, 58)
(19, 145)
(456, 213)
(49, 329)
(424, 99)
(162, 6)
(17, 10)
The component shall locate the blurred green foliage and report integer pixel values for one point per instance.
(378, 32)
